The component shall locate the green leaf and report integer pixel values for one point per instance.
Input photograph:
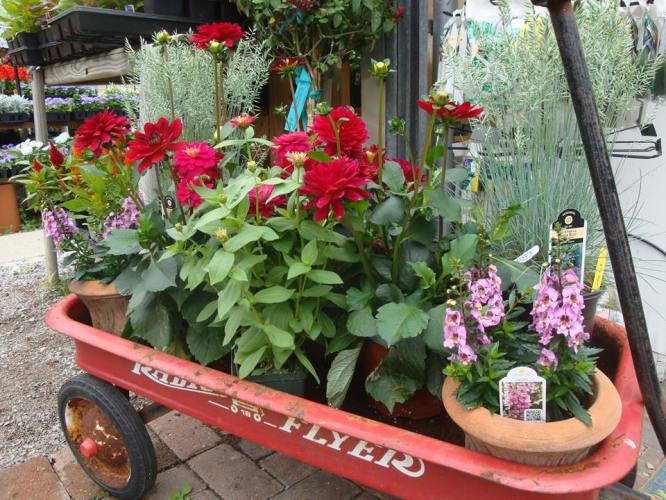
(340, 376)
(248, 234)
(123, 242)
(577, 410)
(297, 269)
(316, 291)
(303, 359)
(207, 311)
(215, 215)
(251, 362)
(228, 297)
(127, 281)
(324, 277)
(456, 174)
(236, 316)
(278, 337)
(356, 299)
(434, 377)
(310, 230)
(155, 320)
(424, 272)
(310, 253)
(434, 335)
(393, 176)
(219, 266)
(464, 248)
(361, 323)
(388, 292)
(390, 211)
(160, 275)
(206, 344)
(319, 156)
(273, 295)
(445, 206)
(400, 321)
(399, 375)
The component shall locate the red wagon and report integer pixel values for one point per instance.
(110, 441)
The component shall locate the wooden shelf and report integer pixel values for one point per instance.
(107, 67)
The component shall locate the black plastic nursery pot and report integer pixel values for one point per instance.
(57, 116)
(293, 383)
(82, 115)
(203, 10)
(14, 117)
(164, 7)
(591, 301)
(24, 49)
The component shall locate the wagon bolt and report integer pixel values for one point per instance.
(88, 448)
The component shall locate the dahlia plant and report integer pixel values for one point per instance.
(485, 338)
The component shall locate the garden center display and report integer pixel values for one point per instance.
(322, 267)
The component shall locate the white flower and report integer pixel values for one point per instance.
(62, 138)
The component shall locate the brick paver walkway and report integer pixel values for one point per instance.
(216, 465)
(219, 465)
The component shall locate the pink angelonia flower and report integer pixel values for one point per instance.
(547, 358)
(466, 355)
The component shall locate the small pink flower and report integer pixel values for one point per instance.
(243, 121)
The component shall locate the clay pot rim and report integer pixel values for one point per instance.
(561, 436)
(93, 288)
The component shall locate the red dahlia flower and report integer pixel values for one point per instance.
(292, 142)
(351, 129)
(101, 130)
(287, 65)
(332, 182)
(266, 208)
(453, 112)
(398, 13)
(187, 195)
(197, 158)
(151, 145)
(460, 112)
(243, 121)
(224, 33)
(56, 157)
(408, 169)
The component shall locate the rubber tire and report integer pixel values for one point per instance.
(113, 402)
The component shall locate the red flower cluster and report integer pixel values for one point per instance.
(266, 207)
(195, 164)
(243, 121)
(7, 73)
(287, 65)
(55, 156)
(292, 142)
(332, 182)
(352, 131)
(452, 112)
(302, 5)
(101, 130)
(151, 145)
(224, 33)
(398, 13)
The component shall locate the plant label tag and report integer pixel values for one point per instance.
(523, 395)
(527, 255)
(600, 269)
(572, 239)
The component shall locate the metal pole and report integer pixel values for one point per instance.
(42, 135)
(580, 86)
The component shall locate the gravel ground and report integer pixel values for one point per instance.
(34, 363)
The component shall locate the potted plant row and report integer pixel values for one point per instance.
(316, 256)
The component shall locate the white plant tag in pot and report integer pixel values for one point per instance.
(522, 395)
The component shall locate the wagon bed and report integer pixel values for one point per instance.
(384, 457)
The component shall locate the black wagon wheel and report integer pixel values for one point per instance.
(107, 436)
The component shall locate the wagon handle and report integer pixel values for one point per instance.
(580, 86)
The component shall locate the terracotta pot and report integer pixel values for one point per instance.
(552, 443)
(108, 309)
(10, 219)
(420, 406)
